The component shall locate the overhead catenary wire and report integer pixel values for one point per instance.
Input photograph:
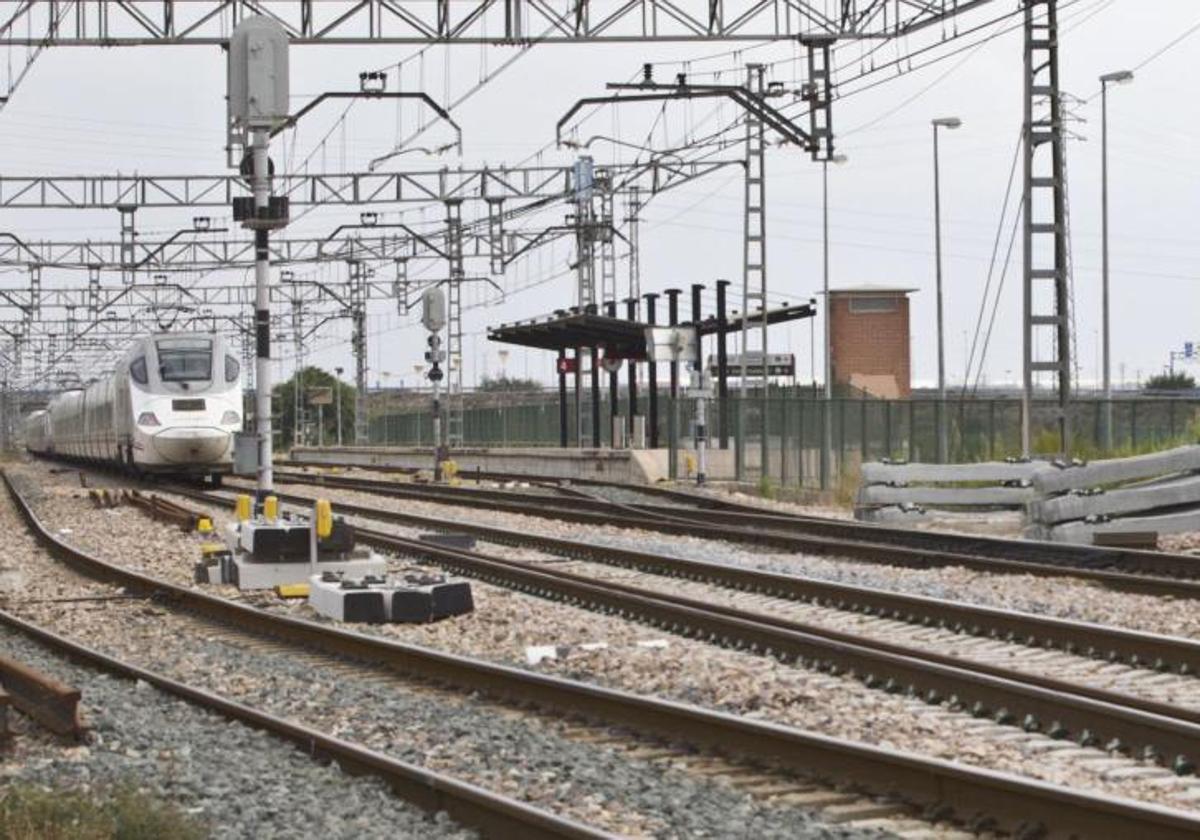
(1008, 190)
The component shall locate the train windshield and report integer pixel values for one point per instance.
(184, 359)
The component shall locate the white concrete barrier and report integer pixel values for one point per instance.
(1006, 484)
(882, 494)
(1085, 532)
(1118, 470)
(876, 472)
(1185, 491)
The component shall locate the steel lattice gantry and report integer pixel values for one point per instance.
(1045, 290)
(57, 23)
(530, 184)
(497, 195)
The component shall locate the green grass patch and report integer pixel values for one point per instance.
(28, 812)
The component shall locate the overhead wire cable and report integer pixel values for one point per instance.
(1012, 176)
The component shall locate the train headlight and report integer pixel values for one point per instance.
(147, 418)
(230, 418)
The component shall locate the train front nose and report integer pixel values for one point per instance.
(191, 445)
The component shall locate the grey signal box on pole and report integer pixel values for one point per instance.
(433, 309)
(258, 78)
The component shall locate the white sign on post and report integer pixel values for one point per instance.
(670, 344)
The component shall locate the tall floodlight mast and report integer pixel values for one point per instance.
(258, 105)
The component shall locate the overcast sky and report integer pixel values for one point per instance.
(160, 110)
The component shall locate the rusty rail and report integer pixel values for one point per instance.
(1010, 802)
(163, 510)
(41, 697)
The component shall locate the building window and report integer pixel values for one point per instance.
(863, 303)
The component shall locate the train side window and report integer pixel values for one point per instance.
(232, 369)
(137, 371)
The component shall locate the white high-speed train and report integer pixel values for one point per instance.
(172, 406)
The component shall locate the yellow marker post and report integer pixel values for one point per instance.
(323, 513)
(244, 508)
(204, 525)
(322, 527)
(292, 590)
(271, 508)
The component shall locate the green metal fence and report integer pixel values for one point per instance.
(796, 424)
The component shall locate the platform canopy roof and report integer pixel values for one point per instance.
(621, 337)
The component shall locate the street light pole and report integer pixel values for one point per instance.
(338, 389)
(943, 441)
(827, 422)
(1119, 77)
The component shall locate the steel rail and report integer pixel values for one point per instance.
(1138, 648)
(549, 482)
(735, 513)
(1047, 704)
(492, 814)
(856, 547)
(50, 702)
(1010, 802)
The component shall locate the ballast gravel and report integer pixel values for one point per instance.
(238, 782)
(623, 654)
(520, 755)
(1062, 597)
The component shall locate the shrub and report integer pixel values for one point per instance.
(29, 812)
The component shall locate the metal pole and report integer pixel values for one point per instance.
(673, 320)
(631, 313)
(827, 408)
(338, 371)
(1104, 246)
(262, 316)
(943, 443)
(722, 363)
(652, 376)
(577, 379)
(595, 360)
(297, 397)
(614, 386)
(437, 431)
(562, 398)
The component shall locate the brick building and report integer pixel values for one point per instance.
(869, 340)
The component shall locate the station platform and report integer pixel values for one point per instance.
(633, 466)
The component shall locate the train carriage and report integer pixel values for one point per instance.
(172, 406)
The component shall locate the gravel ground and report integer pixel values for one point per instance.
(505, 625)
(513, 753)
(1185, 543)
(1063, 597)
(237, 781)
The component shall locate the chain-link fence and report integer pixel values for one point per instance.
(797, 423)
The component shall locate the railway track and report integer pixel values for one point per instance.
(491, 814)
(1125, 570)
(1012, 803)
(1058, 707)
(1145, 650)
